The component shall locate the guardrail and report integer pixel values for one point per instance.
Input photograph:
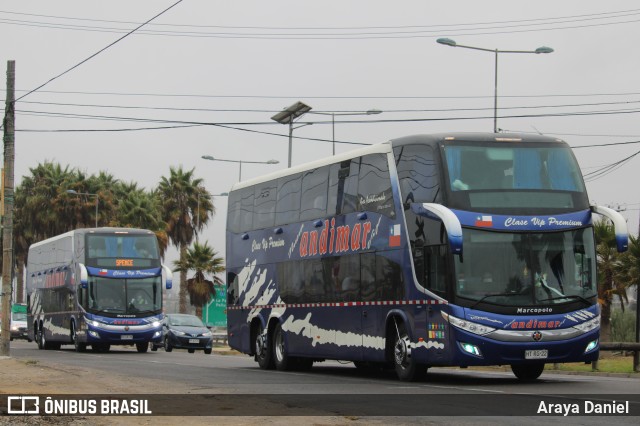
(621, 346)
(220, 338)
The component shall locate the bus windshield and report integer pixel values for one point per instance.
(103, 250)
(512, 269)
(124, 296)
(514, 177)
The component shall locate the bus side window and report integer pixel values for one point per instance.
(314, 193)
(288, 199)
(374, 186)
(265, 205)
(435, 257)
(246, 209)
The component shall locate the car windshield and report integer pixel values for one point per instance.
(19, 316)
(186, 321)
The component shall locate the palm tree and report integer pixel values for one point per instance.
(610, 276)
(202, 259)
(183, 197)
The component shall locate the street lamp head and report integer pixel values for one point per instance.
(289, 114)
(272, 162)
(447, 41)
(374, 111)
(207, 157)
(72, 191)
(544, 49)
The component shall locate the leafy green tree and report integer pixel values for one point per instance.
(186, 208)
(202, 259)
(611, 279)
(138, 208)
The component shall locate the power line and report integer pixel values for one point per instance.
(199, 95)
(270, 111)
(382, 32)
(100, 51)
(591, 15)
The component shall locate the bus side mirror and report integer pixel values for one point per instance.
(168, 276)
(84, 275)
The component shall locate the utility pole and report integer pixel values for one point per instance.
(7, 218)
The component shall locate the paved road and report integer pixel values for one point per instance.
(336, 385)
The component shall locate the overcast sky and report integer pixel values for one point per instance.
(239, 62)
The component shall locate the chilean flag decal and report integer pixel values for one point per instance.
(103, 272)
(394, 236)
(485, 221)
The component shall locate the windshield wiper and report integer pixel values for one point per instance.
(492, 295)
(575, 297)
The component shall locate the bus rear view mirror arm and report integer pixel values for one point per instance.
(448, 218)
(619, 224)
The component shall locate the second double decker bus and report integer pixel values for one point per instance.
(98, 287)
(429, 250)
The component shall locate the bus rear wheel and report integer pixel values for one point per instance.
(527, 372)
(262, 348)
(42, 341)
(282, 360)
(406, 367)
(79, 346)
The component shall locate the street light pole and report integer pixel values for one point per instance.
(333, 121)
(74, 192)
(210, 158)
(287, 116)
(539, 50)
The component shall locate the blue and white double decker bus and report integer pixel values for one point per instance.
(430, 250)
(98, 287)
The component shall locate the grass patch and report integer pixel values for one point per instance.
(31, 362)
(608, 364)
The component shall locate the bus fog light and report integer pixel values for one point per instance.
(470, 349)
(591, 346)
(156, 334)
(94, 334)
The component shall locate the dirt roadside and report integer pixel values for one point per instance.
(20, 377)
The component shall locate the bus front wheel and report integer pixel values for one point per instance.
(262, 348)
(406, 367)
(527, 372)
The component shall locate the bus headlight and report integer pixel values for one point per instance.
(591, 346)
(588, 325)
(470, 349)
(471, 327)
(156, 324)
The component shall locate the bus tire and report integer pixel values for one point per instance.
(142, 347)
(262, 347)
(42, 340)
(407, 369)
(281, 359)
(79, 346)
(527, 372)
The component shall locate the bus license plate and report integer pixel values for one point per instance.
(536, 354)
(194, 340)
(126, 337)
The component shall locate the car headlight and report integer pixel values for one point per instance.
(207, 334)
(588, 325)
(178, 332)
(471, 327)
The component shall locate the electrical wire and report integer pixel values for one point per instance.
(98, 52)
